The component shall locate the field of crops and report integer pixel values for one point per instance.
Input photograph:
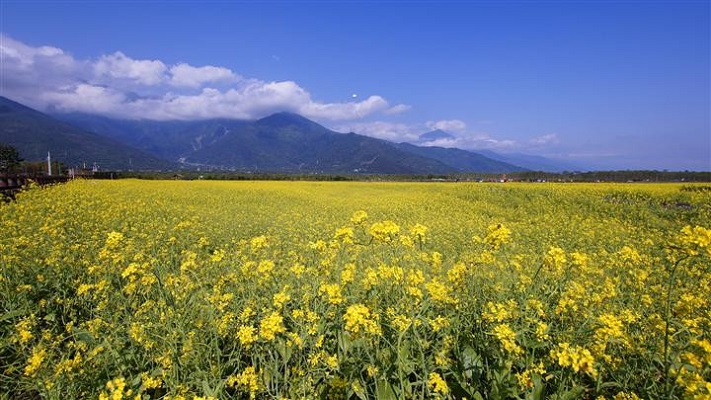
(290, 290)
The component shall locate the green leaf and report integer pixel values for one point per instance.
(574, 393)
(206, 389)
(470, 358)
(284, 351)
(538, 388)
(606, 385)
(384, 390)
(360, 394)
(10, 315)
(344, 342)
(83, 335)
(136, 382)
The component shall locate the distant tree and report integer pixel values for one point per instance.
(34, 168)
(9, 158)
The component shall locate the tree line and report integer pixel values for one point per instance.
(12, 163)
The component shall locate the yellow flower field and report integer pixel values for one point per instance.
(228, 290)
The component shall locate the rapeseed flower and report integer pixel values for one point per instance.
(271, 326)
(246, 335)
(695, 239)
(626, 396)
(174, 276)
(359, 217)
(437, 384)
(611, 329)
(525, 379)
(419, 231)
(457, 274)
(265, 268)
(35, 361)
(281, 298)
(499, 312)
(496, 236)
(344, 234)
(360, 320)
(116, 390)
(114, 239)
(259, 242)
(149, 382)
(332, 293)
(247, 380)
(348, 274)
(384, 231)
(438, 323)
(400, 322)
(578, 358)
(298, 269)
(218, 255)
(24, 330)
(507, 338)
(556, 259)
(439, 292)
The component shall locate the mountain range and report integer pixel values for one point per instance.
(34, 134)
(282, 142)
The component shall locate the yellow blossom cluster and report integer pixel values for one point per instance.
(384, 231)
(360, 320)
(224, 290)
(578, 358)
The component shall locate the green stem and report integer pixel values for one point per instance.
(667, 318)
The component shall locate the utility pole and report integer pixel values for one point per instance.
(49, 164)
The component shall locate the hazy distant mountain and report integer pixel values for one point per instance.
(282, 142)
(521, 161)
(170, 140)
(534, 163)
(436, 134)
(463, 160)
(34, 134)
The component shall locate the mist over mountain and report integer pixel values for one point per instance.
(463, 160)
(534, 163)
(435, 135)
(34, 134)
(282, 142)
(524, 161)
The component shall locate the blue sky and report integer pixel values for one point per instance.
(605, 84)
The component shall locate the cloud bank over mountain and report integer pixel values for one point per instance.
(119, 86)
(460, 135)
(116, 85)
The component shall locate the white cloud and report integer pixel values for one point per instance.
(398, 109)
(344, 111)
(184, 75)
(119, 66)
(451, 125)
(20, 56)
(400, 132)
(475, 142)
(120, 86)
(28, 72)
(444, 142)
(117, 85)
(85, 98)
(465, 139)
(544, 140)
(395, 132)
(487, 142)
